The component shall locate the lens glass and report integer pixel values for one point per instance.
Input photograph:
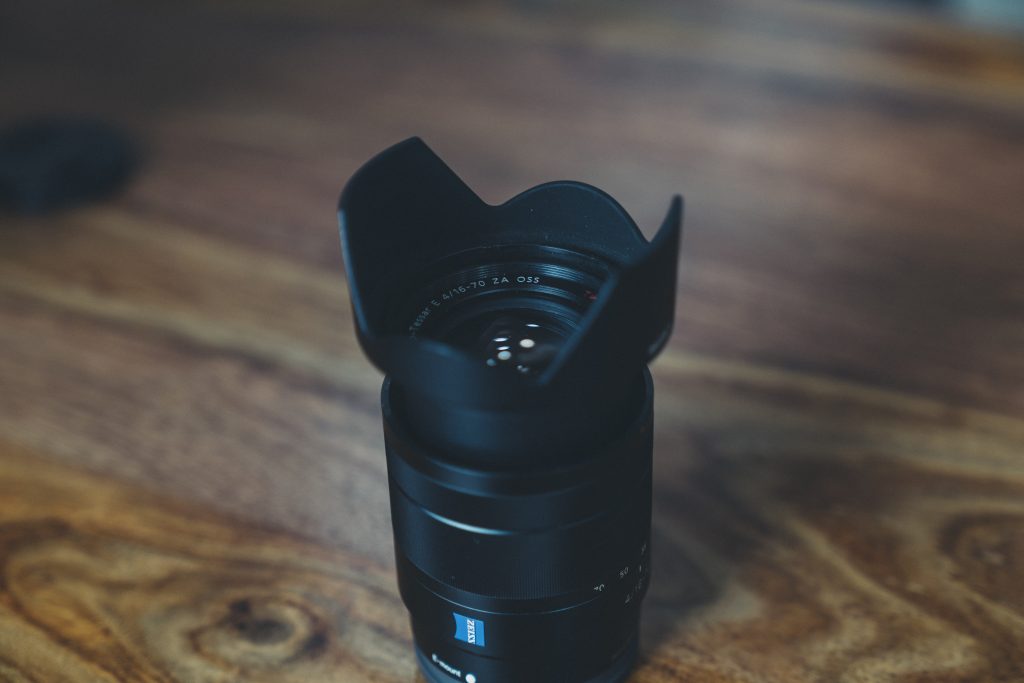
(513, 314)
(523, 340)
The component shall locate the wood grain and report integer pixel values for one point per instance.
(192, 485)
(104, 583)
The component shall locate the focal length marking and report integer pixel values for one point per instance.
(446, 296)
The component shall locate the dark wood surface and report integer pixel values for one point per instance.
(192, 485)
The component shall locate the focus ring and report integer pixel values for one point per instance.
(522, 565)
(528, 535)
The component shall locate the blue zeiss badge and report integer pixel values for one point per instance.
(469, 630)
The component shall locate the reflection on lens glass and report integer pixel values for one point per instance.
(522, 341)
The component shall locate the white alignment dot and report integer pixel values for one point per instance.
(470, 678)
(527, 343)
(504, 355)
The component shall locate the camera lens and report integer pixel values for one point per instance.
(517, 412)
(513, 315)
(523, 340)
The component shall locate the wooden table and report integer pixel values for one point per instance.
(192, 485)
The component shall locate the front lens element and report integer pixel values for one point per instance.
(520, 340)
(514, 315)
(523, 340)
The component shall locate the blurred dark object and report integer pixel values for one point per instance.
(51, 164)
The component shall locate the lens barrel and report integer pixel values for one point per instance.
(517, 411)
(529, 574)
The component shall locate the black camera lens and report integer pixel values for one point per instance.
(512, 315)
(517, 413)
(520, 339)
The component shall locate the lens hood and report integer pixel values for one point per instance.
(405, 211)
(406, 208)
